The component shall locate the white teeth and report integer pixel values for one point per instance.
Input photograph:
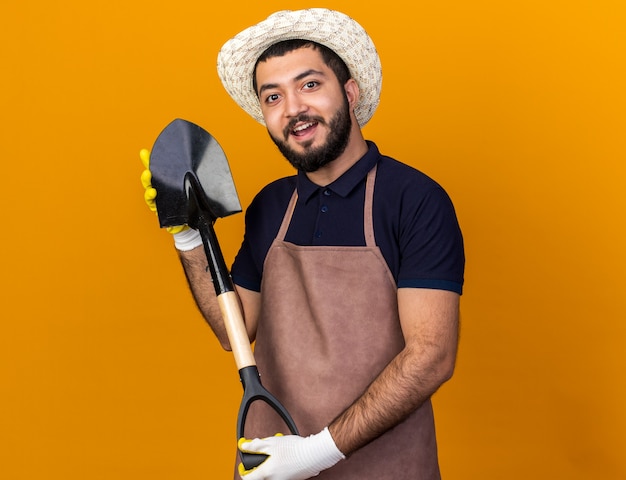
(303, 127)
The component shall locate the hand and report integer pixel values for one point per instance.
(184, 237)
(291, 457)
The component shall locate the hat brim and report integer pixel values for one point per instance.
(335, 30)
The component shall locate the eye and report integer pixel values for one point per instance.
(271, 98)
(310, 84)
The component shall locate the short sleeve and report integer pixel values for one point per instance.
(430, 242)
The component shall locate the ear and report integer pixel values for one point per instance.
(352, 92)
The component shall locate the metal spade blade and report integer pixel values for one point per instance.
(184, 149)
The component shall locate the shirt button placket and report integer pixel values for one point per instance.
(323, 209)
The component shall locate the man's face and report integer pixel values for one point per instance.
(305, 108)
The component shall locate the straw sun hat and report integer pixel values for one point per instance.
(337, 31)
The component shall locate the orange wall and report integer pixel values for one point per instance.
(517, 108)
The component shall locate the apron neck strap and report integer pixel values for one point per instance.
(368, 216)
(287, 218)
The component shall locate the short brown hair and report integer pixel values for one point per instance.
(331, 59)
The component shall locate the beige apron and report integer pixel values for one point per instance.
(329, 325)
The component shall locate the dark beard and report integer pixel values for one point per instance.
(315, 158)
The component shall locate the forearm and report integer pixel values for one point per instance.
(397, 392)
(411, 378)
(195, 266)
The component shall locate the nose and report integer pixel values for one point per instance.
(294, 105)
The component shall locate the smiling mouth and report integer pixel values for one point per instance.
(302, 129)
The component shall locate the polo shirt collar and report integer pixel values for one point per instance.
(344, 184)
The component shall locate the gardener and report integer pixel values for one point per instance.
(349, 273)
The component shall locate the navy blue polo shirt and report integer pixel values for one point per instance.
(415, 225)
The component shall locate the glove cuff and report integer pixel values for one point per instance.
(325, 450)
(187, 240)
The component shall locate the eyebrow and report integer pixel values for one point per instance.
(269, 86)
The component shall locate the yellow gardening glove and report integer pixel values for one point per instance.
(150, 193)
(185, 238)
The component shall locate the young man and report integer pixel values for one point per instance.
(350, 272)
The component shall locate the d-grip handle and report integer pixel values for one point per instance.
(253, 390)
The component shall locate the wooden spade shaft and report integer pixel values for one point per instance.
(236, 329)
